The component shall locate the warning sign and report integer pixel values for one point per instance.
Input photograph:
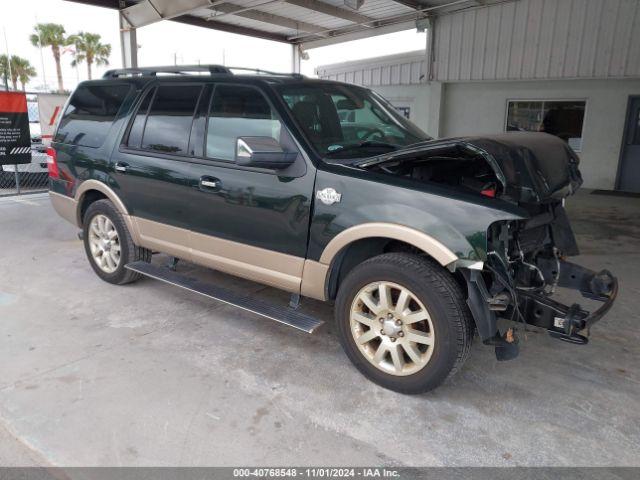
(15, 140)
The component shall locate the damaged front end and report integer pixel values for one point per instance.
(526, 264)
(525, 259)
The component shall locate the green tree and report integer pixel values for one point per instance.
(22, 71)
(51, 35)
(89, 49)
(4, 70)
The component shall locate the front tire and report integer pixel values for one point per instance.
(403, 322)
(108, 244)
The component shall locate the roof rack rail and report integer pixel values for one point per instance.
(185, 69)
(178, 69)
(267, 72)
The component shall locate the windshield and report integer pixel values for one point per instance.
(344, 122)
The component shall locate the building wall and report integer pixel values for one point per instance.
(418, 98)
(401, 69)
(470, 108)
(539, 39)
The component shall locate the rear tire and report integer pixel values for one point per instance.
(108, 244)
(403, 322)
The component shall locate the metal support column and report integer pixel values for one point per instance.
(436, 88)
(295, 58)
(128, 43)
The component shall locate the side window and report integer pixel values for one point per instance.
(238, 111)
(135, 134)
(170, 117)
(90, 113)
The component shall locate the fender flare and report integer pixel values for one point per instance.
(316, 275)
(88, 185)
(424, 242)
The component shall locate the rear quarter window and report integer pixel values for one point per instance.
(90, 113)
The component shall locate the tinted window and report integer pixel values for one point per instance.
(90, 113)
(170, 116)
(238, 111)
(135, 134)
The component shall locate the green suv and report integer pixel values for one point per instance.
(322, 189)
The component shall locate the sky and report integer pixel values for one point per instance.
(167, 42)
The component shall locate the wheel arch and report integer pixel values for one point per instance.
(390, 231)
(359, 243)
(90, 191)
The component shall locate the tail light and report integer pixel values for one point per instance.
(52, 163)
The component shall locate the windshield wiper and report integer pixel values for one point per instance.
(365, 144)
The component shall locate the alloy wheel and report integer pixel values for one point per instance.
(104, 243)
(392, 328)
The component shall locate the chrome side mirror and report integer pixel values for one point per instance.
(262, 152)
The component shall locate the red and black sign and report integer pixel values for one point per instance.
(15, 139)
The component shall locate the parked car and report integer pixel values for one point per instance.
(418, 243)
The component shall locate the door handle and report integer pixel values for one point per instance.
(209, 183)
(121, 167)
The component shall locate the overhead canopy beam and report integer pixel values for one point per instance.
(189, 19)
(227, 27)
(390, 24)
(330, 10)
(264, 17)
(152, 11)
(308, 44)
(414, 4)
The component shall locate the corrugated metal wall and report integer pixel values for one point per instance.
(540, 39)
(404, 69)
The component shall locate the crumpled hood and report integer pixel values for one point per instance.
(540, 165)
(533, 167)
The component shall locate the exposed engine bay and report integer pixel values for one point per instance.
(525, 259)
(452, 165)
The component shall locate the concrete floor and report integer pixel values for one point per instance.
(148, 374)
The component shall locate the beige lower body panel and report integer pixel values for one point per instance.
(261, 265)
(163, 238)
(314, 277)
(65, 206)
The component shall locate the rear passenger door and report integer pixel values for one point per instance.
(152, 166)
(251, 216)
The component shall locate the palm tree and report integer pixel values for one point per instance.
(4, 70)
(51, 35)
(90, 50)
(15, 62)
(21, 70)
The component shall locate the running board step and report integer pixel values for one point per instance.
(285, 315)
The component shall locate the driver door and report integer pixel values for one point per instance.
(252, 222)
